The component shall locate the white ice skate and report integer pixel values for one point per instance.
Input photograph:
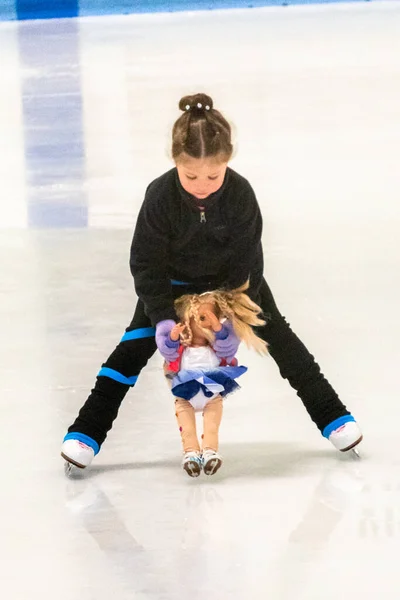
(211, 462)
(192, 463)
(346, 437)
(77, 453)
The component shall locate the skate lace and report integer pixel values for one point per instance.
(210, 454)
(192, 456)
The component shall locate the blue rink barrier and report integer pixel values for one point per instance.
(54, 139)
(52, 9)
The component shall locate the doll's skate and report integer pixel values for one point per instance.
(211, 462)
(192, 463)
(347, 437)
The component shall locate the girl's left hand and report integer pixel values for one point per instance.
(226, 342)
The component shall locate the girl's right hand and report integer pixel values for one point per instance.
(165, 344)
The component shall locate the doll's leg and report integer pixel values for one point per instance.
(186, 419)
(212, 416)
(119, 373)
(298, 366)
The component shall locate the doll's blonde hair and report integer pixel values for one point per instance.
(235, 305)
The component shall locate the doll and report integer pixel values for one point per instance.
(199, 379)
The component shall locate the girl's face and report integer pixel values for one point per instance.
(200, 177)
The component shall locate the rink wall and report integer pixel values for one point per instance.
(51, 9)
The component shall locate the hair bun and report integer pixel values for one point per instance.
(201, 131)
(200, 102)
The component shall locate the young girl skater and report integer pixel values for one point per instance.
(199, 229)
(199, 379)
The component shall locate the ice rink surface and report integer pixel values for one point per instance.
(86, 108)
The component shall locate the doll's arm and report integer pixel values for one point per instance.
(226, 341)
(209, 320)
(176, 332)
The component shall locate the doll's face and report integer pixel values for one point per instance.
(204, 320)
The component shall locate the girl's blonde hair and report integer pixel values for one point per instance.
(235, 305)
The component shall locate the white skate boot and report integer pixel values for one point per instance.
(192, 463)
(211, 462)
(77, 453)
(346, 437)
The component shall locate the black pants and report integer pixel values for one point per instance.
(121, 369)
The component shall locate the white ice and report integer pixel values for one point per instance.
(314, 95)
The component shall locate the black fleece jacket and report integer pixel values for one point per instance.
(217, 244)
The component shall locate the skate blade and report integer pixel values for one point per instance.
(212, 466)
(72, 471)
(71, 467)
(192, 468)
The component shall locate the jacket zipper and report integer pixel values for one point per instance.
(203, 217)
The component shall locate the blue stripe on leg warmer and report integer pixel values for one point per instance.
(137, 334)
(85, 439)
(116, 376)
(336, 424)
